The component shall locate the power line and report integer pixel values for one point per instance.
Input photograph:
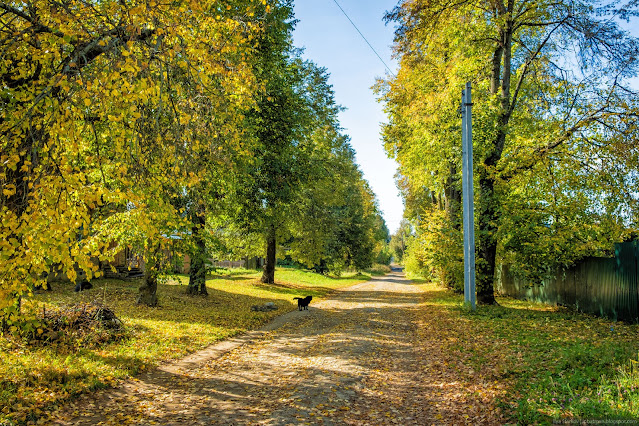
(360, 33)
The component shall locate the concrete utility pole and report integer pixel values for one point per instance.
(468, 202)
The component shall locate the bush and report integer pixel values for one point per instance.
(77, 325)
(436, 252)
(384, 256)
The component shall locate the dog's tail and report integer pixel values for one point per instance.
(298, 298)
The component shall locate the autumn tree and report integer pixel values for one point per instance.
(362, 232)
(221, 155)
(104, 106)
(337, 223)
(309, 187)
(334, 222)
(303, 175)
(277, 123)
(555, 123)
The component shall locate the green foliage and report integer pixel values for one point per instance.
(194, 122)
(538, 234)
(106, 122)
(414, 267)
(436, 251)
(385, 255)
(399, 241)
(552, 183)
(305, 194)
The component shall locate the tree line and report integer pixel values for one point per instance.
(135, 123)
(554, 129)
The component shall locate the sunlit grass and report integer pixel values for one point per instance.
(35, 378)
(558, 363)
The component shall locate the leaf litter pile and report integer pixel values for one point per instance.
(85, 324)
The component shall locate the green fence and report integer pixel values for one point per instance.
(602, 286)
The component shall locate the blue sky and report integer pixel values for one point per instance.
(330, 41)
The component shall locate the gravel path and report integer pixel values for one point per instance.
(351, 359)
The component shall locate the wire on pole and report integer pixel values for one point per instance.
(362, 35)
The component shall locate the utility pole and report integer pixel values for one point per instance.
(468, 201)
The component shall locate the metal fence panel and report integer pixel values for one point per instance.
(608, 287)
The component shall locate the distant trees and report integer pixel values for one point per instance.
(399, 241)
(555, 130)
(339, 225)
(303, 189)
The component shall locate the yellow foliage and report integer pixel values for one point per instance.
(94, 117)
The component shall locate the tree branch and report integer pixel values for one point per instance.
(529, 61)
(543, 151)
(37, 26)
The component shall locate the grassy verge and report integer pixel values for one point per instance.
(37, 378)
(549, 363)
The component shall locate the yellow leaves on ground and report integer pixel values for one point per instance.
(36, 377)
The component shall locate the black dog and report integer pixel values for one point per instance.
(302, 302)
(83, 285)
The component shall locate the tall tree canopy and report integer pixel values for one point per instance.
(555, 129)
(277, 123)
(124, 123)
(103, 107)
(304, 189)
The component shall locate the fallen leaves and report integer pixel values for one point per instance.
(380, 354)
(35, 379)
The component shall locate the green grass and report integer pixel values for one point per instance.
(557, 364)
(35, 378)
(572, 362)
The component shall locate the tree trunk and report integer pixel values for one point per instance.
(148, 292)
(21, 177)
(453, 198)
(489, 208)
(268, 276)
(487, 244)
(197, 274)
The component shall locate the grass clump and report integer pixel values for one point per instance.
(93, 339)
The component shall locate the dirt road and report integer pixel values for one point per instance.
(356, 358)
